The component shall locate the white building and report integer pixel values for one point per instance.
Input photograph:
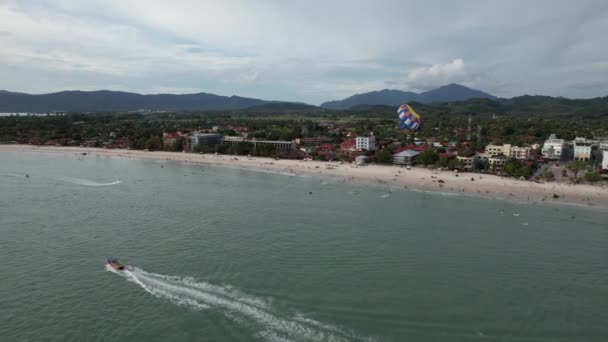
(205, 139)
(366, 143)
(233, 140)
(582, 148)
(280, 146)
(407, 157)
(604, 144)
(553, 147)
(605, 160)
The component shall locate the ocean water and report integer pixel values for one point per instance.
(217, 254)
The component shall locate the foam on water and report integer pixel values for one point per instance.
(239, 307)
(274, 172)
(87, 182)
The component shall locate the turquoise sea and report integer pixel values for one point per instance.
(217, 254)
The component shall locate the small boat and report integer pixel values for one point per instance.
(115, 264)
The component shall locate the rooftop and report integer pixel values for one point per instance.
(406, 153)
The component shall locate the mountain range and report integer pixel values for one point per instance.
(448, 93)
(104, 100)
(454, 96)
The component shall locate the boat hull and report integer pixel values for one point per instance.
(115, 264)
(117, 267)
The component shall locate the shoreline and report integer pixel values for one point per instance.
(390, 176)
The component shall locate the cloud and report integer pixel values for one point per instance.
(270, 50)
(248, 75)
(437, 75)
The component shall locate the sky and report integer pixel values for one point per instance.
(307, 51)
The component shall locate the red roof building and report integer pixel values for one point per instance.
(417, 148)
(446, 155)
(169, 139)
(348, 145)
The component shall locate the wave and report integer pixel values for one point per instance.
(384, 196)
(87, 182)
(283, 173)
(238, 306)
(12, 175)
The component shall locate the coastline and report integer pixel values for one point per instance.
(392, 177)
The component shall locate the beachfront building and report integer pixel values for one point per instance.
(366, 143)
(467, 162)
(407, 157)
(169, 139)
(327, 152)
(233, 140)
(582, 148)
(605, 160)
(279, 146)
(205, 139)
(348, 145)
(521, 153)
(313, 141)
(553, 147)
(497, 163)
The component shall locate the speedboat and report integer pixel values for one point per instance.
(115, 264)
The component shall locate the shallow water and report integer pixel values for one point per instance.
(218, 254)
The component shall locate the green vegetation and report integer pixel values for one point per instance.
(428, 157)
(592, 177)
(547, 175)
(516, 168)
(576, 166)
(384, 156)
(445, 122)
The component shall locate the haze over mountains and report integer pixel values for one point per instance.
(114, 101)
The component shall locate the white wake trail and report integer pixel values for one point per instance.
(87, 182)
(241, 308)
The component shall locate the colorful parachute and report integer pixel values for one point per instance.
(408, 118)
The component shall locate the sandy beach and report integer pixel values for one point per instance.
(391, 177)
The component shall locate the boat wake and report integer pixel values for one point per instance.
(87, 182)
(239, 307)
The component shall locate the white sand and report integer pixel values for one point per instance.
(390, 176)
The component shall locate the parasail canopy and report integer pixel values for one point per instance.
(408, 118)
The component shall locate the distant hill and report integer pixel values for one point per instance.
(453, 92)
(518, 106)
(448, 93)
(104, 100)
(374, 108)
(383, 97)
(283, 107)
